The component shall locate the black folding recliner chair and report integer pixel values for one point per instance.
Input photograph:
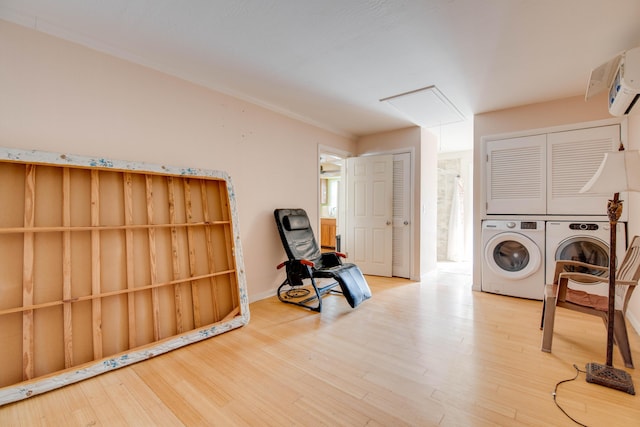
(306, 264)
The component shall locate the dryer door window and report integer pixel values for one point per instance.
(584, 249)
(512, 256)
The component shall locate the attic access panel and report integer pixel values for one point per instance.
(106, 263)
(427, 107)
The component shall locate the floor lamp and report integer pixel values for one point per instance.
(619, 172)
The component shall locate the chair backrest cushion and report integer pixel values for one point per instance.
(629, 269)
(296, 222)
(297, 235)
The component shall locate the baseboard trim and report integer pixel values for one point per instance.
(262, 295)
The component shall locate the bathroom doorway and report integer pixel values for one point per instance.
(331, 194)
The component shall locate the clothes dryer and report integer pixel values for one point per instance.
(586, 241)
(513, 258)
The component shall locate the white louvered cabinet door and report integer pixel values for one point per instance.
(572, 159)
(516, 176)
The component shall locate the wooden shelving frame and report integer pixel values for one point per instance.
(104, 263)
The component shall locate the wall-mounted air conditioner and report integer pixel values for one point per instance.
(621, 77)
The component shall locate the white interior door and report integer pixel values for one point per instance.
(369, 213)
(402, 224)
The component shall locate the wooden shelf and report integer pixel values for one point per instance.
(100, 258)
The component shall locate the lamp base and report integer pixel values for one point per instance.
(609, 376)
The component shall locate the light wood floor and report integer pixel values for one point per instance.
(423, 354)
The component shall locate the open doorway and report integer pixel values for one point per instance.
(331, 166)
(454, 211)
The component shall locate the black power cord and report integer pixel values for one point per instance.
(555, 393)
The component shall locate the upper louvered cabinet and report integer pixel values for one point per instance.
(573, 157)
(543, 174)
(516, 177)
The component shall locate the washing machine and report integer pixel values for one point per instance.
(586, 241)
(513, 258)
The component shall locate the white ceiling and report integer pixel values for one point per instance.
(329, 62)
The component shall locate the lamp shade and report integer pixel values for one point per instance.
(618, 172)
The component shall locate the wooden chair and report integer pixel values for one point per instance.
(558, 294)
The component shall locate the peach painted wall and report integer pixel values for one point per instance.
(560, 112)
(62, 97)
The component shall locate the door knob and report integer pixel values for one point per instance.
(406, 223)
(388, 222)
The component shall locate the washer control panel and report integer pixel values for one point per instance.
(583, 226)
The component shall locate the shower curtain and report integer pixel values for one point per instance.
(455, 246)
